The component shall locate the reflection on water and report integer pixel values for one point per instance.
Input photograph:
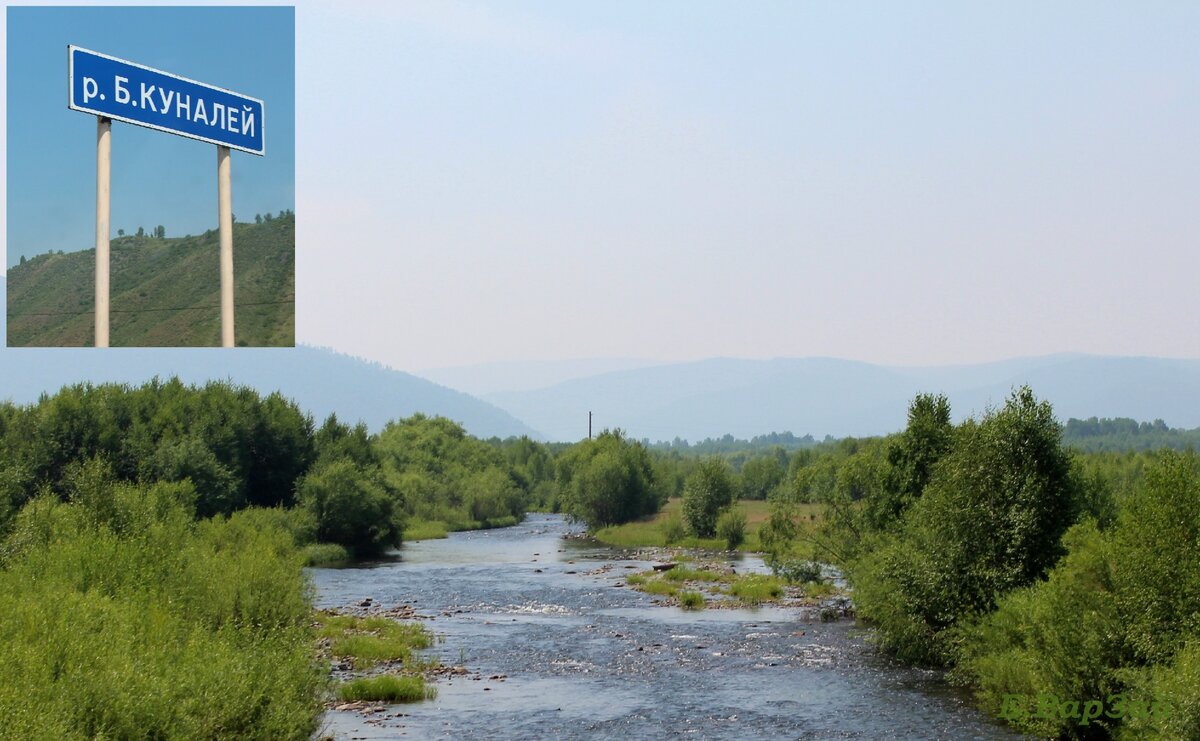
(576, 655)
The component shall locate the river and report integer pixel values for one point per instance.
(560, 649)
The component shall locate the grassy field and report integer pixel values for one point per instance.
(650, 532)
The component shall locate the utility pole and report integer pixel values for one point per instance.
(589, 425)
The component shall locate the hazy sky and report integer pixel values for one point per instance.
(914, 183)
(157, 178)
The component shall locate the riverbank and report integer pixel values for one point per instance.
(655, 531)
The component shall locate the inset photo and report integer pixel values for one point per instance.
(151, 177)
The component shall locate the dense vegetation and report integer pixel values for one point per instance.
(121, 616)
(1063, 587)
(165, 291)
(155, 534)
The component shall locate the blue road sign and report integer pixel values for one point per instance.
(124, 91)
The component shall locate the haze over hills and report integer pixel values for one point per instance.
(165, 291)
(319, 380)
(518, 375)
(820, 396)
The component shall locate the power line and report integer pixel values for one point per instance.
(213, 307)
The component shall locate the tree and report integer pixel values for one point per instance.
(708, 490)
(911, 457)
(141, 232)
(257, 218)
(608, 480)
(760, 476)
(160, 231)
(120, 232)
(351, 508)
(990, 520)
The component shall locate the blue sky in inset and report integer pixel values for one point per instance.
(157, 178)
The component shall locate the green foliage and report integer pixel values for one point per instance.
(156, 283)
(761, 475)
(691, 600)
(386, 688)
(796, 570)
(911, 457)
(989, 521)
(1120, 614)
(442, 474)
(351, 508)
(673, 530)
(707, 491)
(731, 527)
(122, 618)
(756, 588)
(608, 480)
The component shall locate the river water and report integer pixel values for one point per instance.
(558, 648)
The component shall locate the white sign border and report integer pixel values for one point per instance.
(71, 48)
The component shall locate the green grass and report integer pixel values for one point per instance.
(425, 530)
(691, 600)
(659, 586)
(371, 640)
(683, 573)
(324, 554)
(651, 532)
(754, 589)
(634, 580)
(386, 688)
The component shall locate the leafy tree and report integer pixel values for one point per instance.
(141, 232)
(911, 457)
(708, 490)
(160, 231)
(989, 521)
(608, 480)
(760, 476)
(351, 508)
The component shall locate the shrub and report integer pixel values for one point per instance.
(707, 491)
(691, 600)
(731, 527)
(673, 531)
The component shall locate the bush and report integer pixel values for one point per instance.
(121, 618)
(351, 508)
(707, 491)
(731, 527)
(673, 531)
(691, 600)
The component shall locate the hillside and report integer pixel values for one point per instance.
(319, 380)
(821, 396)
(165, 292)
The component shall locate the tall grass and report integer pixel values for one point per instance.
(387, 688)
(122, 618)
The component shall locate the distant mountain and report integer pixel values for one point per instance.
(519, 375)
(165, 292)
(319, 380)
(820, 396)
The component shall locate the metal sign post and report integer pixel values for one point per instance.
(103, 191)
(225, 225)
(114, 89)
